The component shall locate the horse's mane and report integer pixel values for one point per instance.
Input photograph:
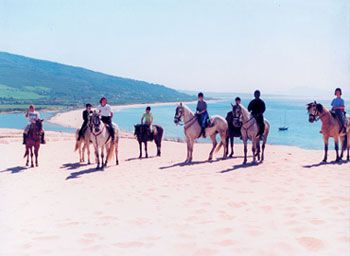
(245, 111)
(187, 108)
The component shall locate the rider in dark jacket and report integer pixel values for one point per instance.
(257, 108)
(202, 113)
(86, 114)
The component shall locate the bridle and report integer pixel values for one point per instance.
(239, 117)
(316, 115)
(95, 122)
(178, 118)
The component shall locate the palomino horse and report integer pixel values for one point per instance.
(101, 139)
(249, 130)
(143, 135)
(83, 144)
(33, 142)
(330, 128)
(232, 132)
(192, 130)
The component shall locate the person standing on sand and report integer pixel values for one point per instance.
(338, 106)
(257, 108)
(86, 114)
(202, 113)
(106, 113)
(32, 116)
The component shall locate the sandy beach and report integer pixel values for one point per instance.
(289, 205)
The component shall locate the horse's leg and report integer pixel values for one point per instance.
(140, 147)
(214, 142)
(87, 142)
(36, 153)
(254, 145)
(263, 148)
(342, 144)
(258, 149)
(188, 150)
(325, 140)
(27, 154)
(103, 155)
(116, 151)
(158, 146)
(191, 150)
(224, 141)
(231, 144)
(31, 157)
(146, 149)
(245, 141)
(336, 147)
(97, 158)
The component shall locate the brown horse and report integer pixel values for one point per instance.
(33, 142)
(330, 129)
(83, 144)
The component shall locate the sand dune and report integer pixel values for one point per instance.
(289, 205)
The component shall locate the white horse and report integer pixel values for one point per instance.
(192, 130)
(249, 130)
(101, 139)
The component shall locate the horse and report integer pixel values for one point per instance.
(330, 129)
(192, 130)
(101, 139)
(83, 144)
(32, 141)
(249, 130)
(143, 134)
(232, 132)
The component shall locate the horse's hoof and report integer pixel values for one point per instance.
(230, 156)
(32, 165)
(146, 156)
(117, 163)
(88, 162)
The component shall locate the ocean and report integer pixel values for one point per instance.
(281, 111)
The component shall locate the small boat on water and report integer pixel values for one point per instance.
(284, 127)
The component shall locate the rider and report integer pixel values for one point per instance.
(238, 101)
(147, 118)
(338, 106)
(257, 108)
(32, 116)
(202, 113)
(106, 113)
(86, 114)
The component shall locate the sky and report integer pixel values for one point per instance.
(280, 47)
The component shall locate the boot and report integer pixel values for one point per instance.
(24, 138)
(42, 141)
(203, 132)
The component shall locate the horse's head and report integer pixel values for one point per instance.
(39, 124)
(237, 115)
(179, 113)
(137, 130)
(95, 121)
(314, 110)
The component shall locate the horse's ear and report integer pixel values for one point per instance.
(180, 104)
(42, 120)
(231, 105)
(319, 108)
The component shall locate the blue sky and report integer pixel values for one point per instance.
(288, 47)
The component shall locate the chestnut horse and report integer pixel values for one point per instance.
(33, 142)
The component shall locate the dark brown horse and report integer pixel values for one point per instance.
(33, 142)
(143, 135)
(232, 132)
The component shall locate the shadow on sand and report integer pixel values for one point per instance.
(241, 166)
(325, 163)
(75, 175)
(182, 164)
(137, 158)
(73, 166)
(16, 169)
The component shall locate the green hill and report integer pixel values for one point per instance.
(26, 80)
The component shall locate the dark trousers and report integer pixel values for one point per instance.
(203, 119)
(108, 120)
(260, 121)
(340, 116)
(83, 129)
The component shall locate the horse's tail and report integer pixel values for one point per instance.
(111, 151)
(218, 147)
(26, 153)
(76, 140)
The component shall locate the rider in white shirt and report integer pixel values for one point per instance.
(106, 113)
(32, 116)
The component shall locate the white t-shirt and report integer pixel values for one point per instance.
(33, 116)
(105, 111)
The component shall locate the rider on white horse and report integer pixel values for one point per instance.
(106, 113)
(202, 113)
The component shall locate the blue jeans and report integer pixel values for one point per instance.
(340, 116)
(203, 119)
